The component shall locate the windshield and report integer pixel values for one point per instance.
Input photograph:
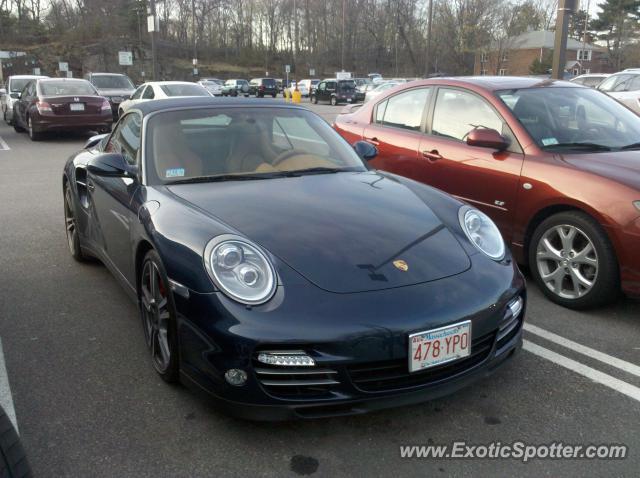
(252, 142)
(617, 82)
(347, 85)
(184, 89)
(17, 85)
(115, 82)
(578, 119)
(66, 88)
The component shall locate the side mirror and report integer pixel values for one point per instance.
(111, 165)
(15, 96)
(487, 138)
(94, 140)
(365, 150)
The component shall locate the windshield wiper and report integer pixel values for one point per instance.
(631, 146)
(587, 146)
(318, 170)
(224, 177)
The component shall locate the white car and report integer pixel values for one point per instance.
(378, 90)
(14, 87)
(624, 87)
(214, 86)
(302, 88)
(308, 85)
(155, 90)
(591, 80)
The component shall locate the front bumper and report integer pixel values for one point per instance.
(352, 338)
(626, 241)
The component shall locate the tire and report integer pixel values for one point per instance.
(33, 135)
(13, 459)
(158, 316)
(18, 129)
(71, 227)
(314, 99)
(573, 262)
(334, 101)
(274, 95)
(4, 116)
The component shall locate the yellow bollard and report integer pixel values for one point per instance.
(296, 95)
(286, 95)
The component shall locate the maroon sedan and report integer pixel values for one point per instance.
(61, 104)
(554, 164)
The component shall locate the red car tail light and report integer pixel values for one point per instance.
(105, 106)
(43, 107)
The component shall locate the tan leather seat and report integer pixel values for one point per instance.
(172, 153)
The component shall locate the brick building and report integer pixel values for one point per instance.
(515, 55)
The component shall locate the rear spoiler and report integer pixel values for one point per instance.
(351, 108)
(94, 140)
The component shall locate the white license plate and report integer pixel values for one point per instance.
(76, 106)
(438, 346)
(348, 100)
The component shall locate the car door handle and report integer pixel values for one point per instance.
(90, 186)
(432, 155)
(373, 140)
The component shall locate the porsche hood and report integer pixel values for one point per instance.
(345, 232)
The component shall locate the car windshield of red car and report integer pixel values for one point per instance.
(576, 119)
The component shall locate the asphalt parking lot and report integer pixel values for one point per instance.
(88, 403)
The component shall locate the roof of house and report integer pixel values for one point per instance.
(545, 39)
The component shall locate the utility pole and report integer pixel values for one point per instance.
(565, 9)
(151, 26)
(195, 37)
(342, 54)
(140, 47)
(584, 33)
(427, 60)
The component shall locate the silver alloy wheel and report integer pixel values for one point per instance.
(70, 221)
(156, 316)
(567, 261)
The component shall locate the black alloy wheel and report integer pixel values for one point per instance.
(158, 317)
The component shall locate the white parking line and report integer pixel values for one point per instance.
(6, 400)
(3, 145)
(584, 370)
(584, 350)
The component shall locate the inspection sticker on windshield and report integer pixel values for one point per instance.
(438, 346)
(549, 141)
(174, 173)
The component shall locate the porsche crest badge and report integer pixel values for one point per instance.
(401, 265)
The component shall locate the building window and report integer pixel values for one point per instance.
(584, 55)
(484, 57)
(586, 71)
(505, 56)
(483, 72)
(502, 72)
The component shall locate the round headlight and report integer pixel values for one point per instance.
(482, 232)
(240, 269)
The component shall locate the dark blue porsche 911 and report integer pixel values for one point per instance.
(277, 272)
